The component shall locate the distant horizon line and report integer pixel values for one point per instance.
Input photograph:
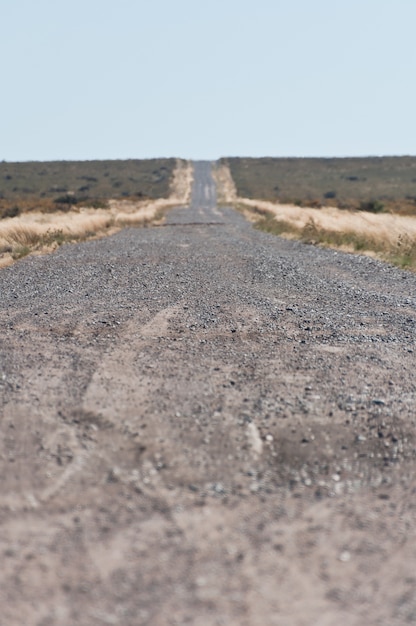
(265, 156)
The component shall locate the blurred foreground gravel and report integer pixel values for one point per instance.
(204, 424)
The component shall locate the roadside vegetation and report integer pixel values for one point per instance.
(42, 227)
(381, 225)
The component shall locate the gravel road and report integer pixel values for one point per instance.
(204, 424)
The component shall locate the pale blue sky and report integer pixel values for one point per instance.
(86, 79)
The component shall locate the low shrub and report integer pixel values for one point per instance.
(12, 211)
(372, 206)
(66, 199)
(96, 204)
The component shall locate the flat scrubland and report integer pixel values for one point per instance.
(36, 223)
(48, 186)
(361, 205)
(372, 183)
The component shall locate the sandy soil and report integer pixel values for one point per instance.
(204, 424)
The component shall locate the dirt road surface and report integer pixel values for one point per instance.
(204, 424)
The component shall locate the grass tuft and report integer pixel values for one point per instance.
(18, 252)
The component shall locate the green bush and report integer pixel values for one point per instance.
(372, 206)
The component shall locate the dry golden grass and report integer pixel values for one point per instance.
(384, 227)
(390, 237)
(35, 232)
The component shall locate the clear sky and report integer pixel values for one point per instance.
(86, 79)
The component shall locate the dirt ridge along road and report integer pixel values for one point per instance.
(204, 424)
